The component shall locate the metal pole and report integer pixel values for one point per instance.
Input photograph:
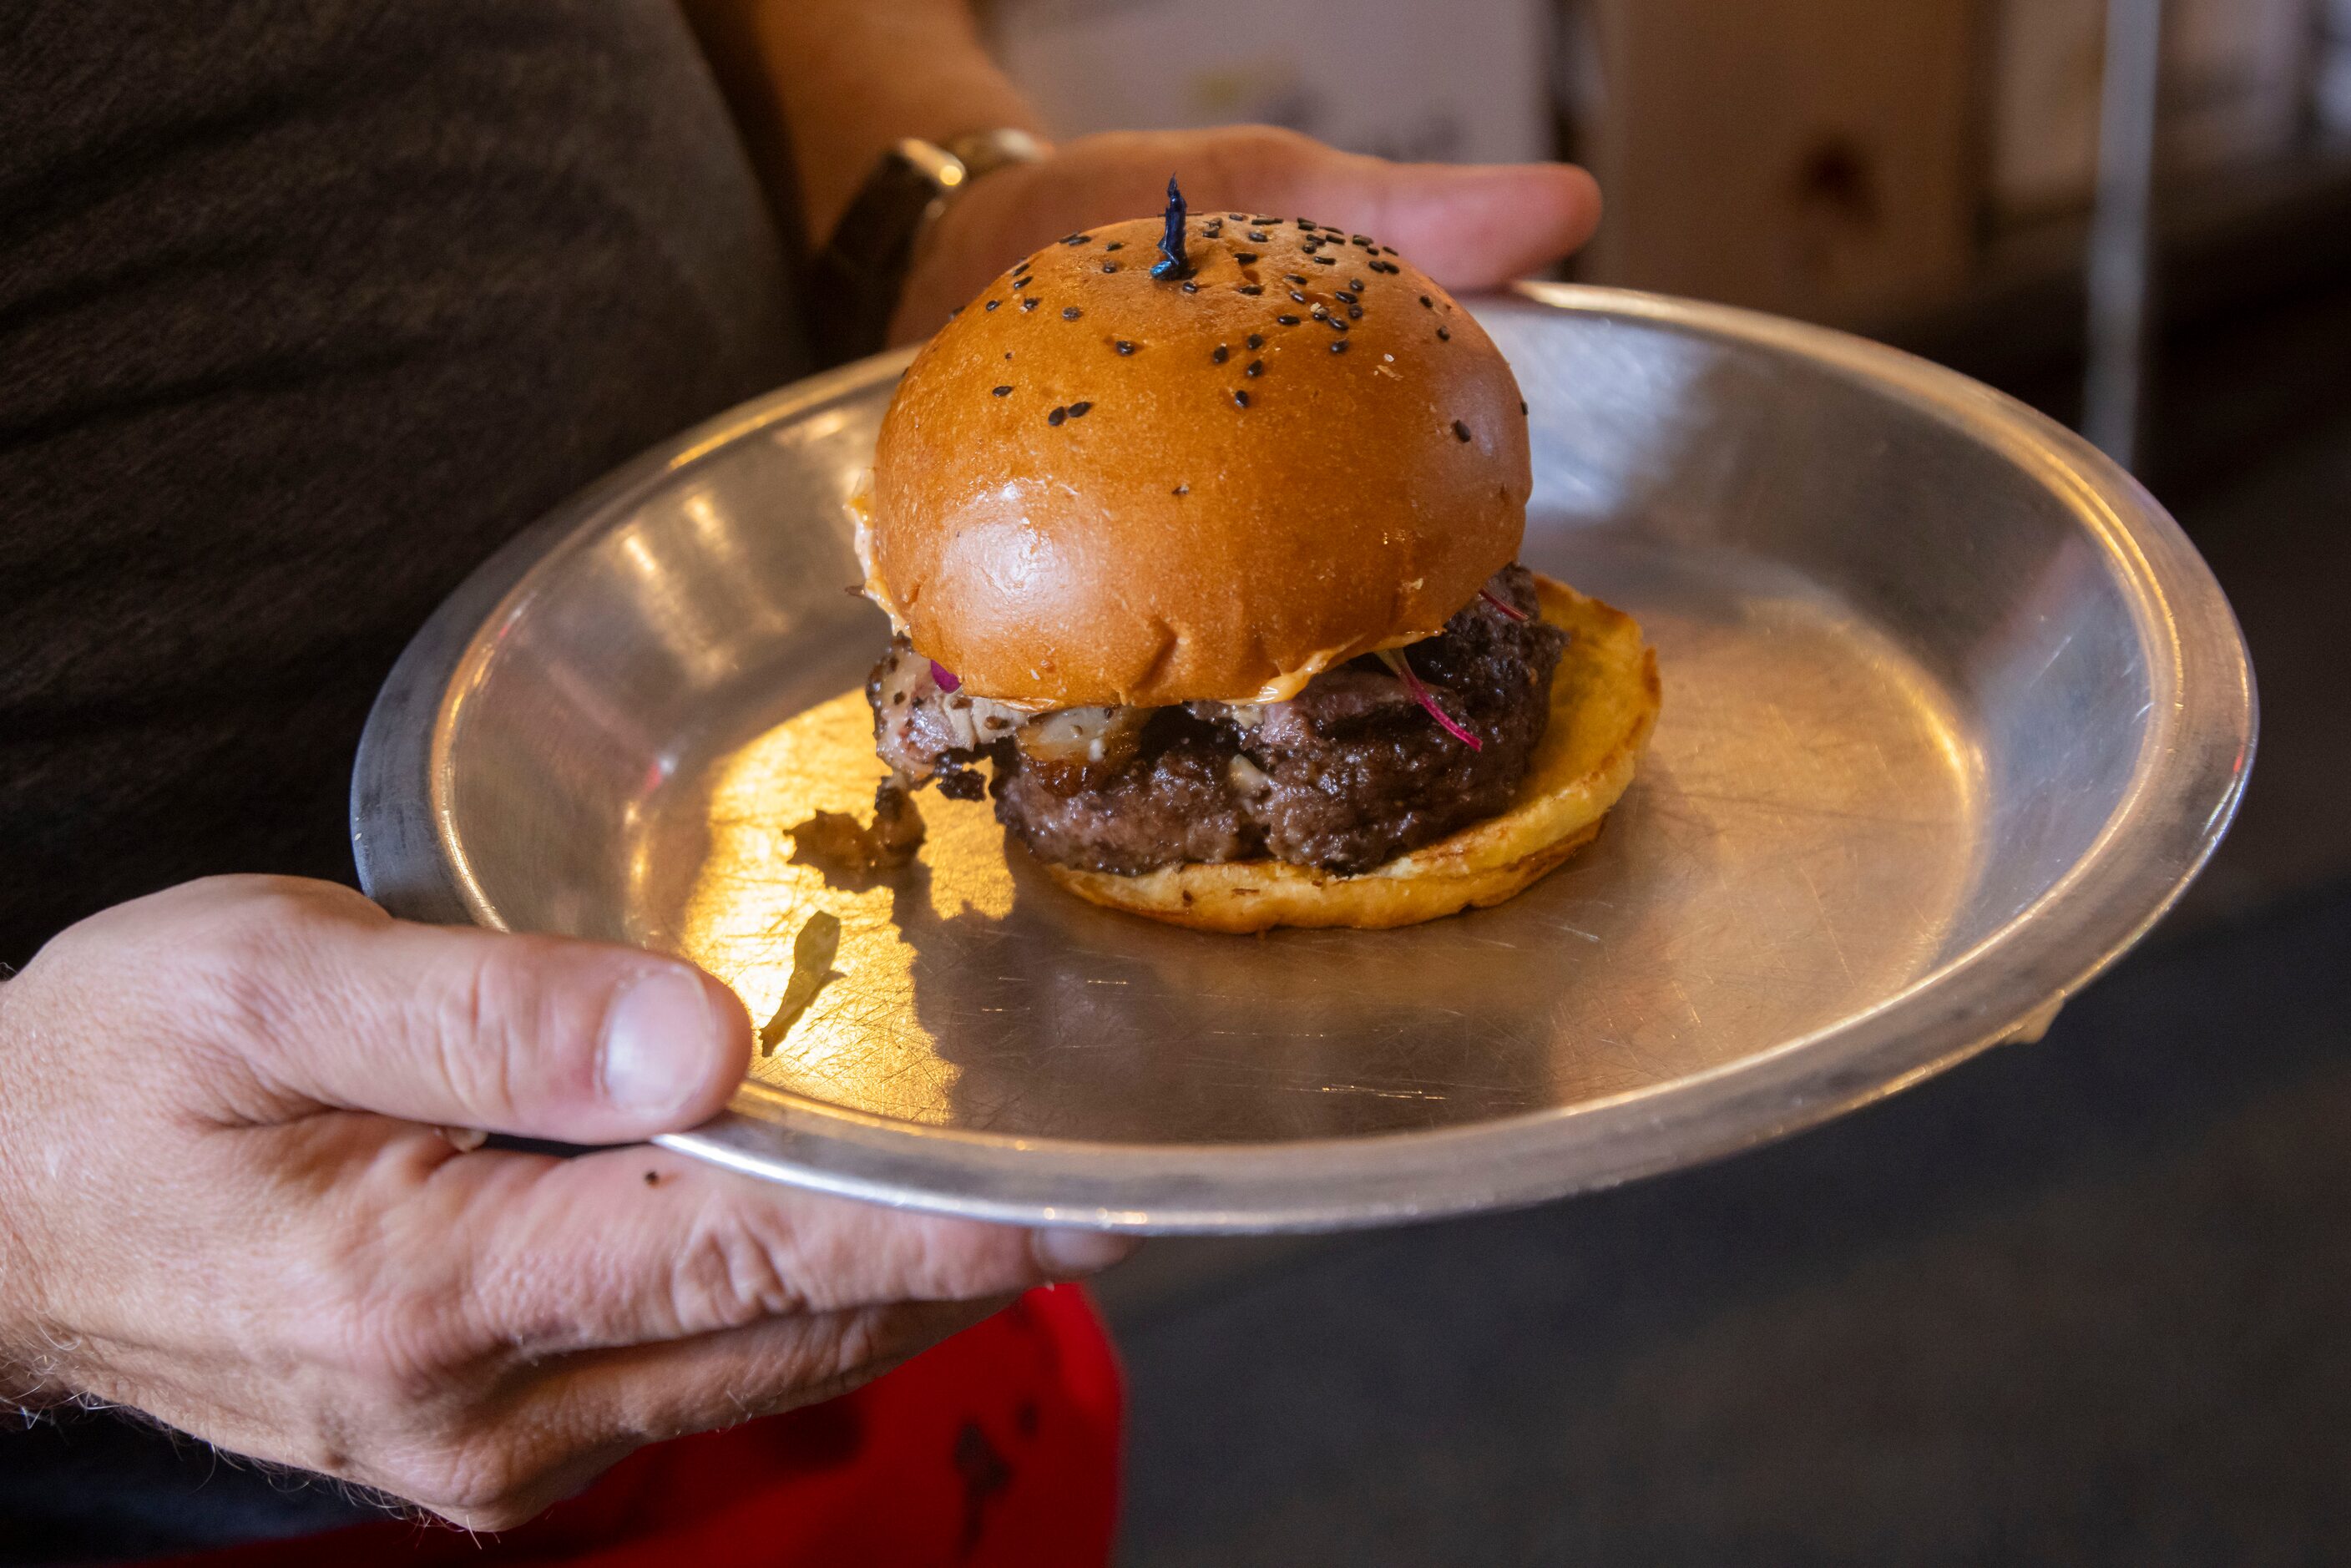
(2120, 250)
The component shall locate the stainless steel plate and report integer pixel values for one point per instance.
(1952, 713)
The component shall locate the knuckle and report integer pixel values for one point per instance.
(250, 973)
(491, 1480)
(859, 1346)
(736, 1268)
(400, 1354)
(956, 1260)
(483, 1018)
(1269, 151)
(398, 1340)
(862, 1341)
(462, 1025)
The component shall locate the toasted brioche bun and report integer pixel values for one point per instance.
(1603, 704)
(1161, 541)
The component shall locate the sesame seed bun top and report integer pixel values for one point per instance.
(1099, 486)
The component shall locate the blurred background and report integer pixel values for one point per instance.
(2087, 1301)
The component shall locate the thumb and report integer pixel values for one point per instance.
(1473, 227)
(540, 1035)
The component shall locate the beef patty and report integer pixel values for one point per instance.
(1350, 772)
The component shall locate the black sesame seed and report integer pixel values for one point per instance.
(1356, 284)
(1426, 303)
(1252, 288)
(1077, 409)
(1238, 217)
(1241, 398)
(1115, 245)
(1354, 312)
(1110, 267)
(1218, 355)
(1190, 286)
(1306, 223)
(1336, 325)
(1359, 240)
(1256, 341)
(1070, 312)
(1297, 296)
(1124, 347)
(1343, 297)
(1180, 490)
(1286, 320)
(1326, 261)
(994, 303)
(1000, 391)
(1254, 368)
(1246, 258)
(1059, 414)
(1388, 249)
(1075, 239)
(1262, 218)
(1443, 336)
(1257, 236)
(1523, 405)
(1295, 279)
(1460, 431)
(1030, 304)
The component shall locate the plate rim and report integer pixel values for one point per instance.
(2184, 790)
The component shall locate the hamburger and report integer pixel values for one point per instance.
(1199, 535)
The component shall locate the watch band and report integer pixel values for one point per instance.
(862, 270)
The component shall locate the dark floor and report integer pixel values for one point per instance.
(2083, 1301)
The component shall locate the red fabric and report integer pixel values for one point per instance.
(999, 1447)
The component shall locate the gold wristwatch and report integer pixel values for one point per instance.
(859, 274)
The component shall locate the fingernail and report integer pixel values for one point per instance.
(656, 1032)
(1074, 1254)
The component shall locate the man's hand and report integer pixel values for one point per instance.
(222, 1201)
(1469, 227)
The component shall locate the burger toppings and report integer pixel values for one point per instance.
(1370, 760)
(1399, 666)
(1504, 605)
(927, 727)
(1074, 746)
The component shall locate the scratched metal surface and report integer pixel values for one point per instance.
(1951, 712)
